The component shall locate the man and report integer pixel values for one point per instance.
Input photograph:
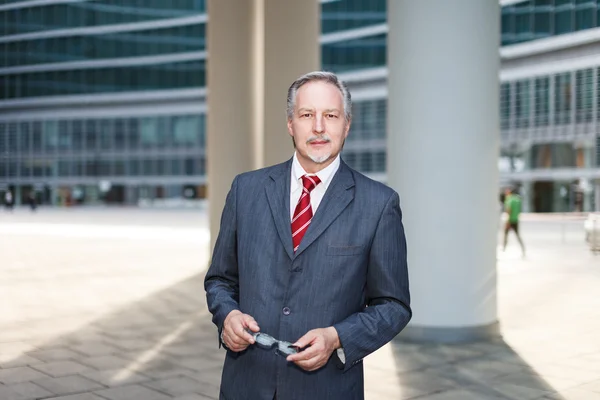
(8, 200)
(512, 207)
(309, 252)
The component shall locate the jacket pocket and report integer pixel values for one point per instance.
(345, 250)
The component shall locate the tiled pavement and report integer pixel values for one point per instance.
(109, 305)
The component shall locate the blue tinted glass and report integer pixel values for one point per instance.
(366, 52)
(339, 15)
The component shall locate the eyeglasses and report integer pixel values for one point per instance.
(268, 342)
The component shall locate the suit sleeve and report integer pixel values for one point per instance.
(221, 281)
(388, 298)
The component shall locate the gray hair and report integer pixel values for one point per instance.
(322, 76)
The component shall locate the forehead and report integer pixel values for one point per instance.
(319, 94)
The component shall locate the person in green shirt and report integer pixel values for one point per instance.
(512, 207)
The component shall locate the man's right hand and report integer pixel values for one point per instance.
(234, 333)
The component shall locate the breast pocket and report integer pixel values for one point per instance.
(340, 250)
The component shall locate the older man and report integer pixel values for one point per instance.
(312, 253)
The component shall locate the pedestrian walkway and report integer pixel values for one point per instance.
(109, 305)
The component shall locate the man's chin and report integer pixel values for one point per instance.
(320, 159)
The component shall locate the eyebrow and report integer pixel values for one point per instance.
(312, 109)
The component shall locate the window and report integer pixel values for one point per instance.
(563, 21)
(542, 101)
(522, 104)
(562, 98)
(505, 105)
(584, 93)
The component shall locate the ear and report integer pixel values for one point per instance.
(347, 129)
(289, 126)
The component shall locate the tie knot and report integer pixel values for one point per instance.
(310, 182)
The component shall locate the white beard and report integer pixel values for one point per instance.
(319, 159)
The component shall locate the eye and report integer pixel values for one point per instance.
(331, 116)
(305, 115)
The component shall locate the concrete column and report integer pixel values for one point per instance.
(597, 195)
(443, 148)
(257, 48)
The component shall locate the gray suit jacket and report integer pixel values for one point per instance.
(349, 272)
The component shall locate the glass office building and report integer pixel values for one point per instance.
(104, 100)
(549, 103)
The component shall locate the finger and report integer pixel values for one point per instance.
(306, 340)
(239, 333)
(307, 354)
(250, 323)
(245, 336)
(253, 326)
(243, 339)
(312, 364)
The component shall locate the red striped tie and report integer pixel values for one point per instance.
(303, 213)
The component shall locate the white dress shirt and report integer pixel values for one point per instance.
(316, 195)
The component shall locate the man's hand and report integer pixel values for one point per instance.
(322, 343)
(234, 332)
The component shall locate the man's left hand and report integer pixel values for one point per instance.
(322, 342)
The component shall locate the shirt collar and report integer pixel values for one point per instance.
(324, 175)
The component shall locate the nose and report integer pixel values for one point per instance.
(319, 125)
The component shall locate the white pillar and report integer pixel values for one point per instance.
(257, 48)
(597, 195)
(443, 147)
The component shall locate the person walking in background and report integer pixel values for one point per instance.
(8, 200)
(32, 200)
(512, 207)
(309, 273)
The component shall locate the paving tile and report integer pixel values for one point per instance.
(7, 393)
(134, 392)
(117, 377)
(461, 394)
(56, 354)
(19, 374)
(194, 397)
(574, 394)
(176, 386)
(29, 390)
(95, 349)
(105, 362)
(11, 361)
(61, 368)
(83, 396)
(16, 347)
(68, 384)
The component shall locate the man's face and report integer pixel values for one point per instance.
(318, 126)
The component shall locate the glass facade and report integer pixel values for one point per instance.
(536, 19)
(120, 48)
(352, 55)
(156, 76)
(20, 20)
(82, 47)
(102, 47)
(343, 15)
(527, 102)
(111, 147)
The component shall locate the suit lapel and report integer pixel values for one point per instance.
(336, 199)
(278, 196)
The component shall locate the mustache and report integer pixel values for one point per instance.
(323, 138)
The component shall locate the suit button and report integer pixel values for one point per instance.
(286, 311)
